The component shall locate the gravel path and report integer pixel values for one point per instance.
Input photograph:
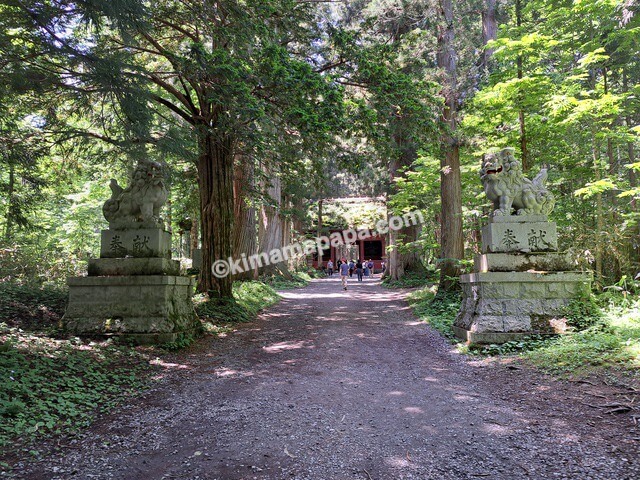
(348, 385)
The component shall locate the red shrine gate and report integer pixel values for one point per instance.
(372, 248)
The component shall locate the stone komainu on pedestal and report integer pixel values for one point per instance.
(521, 283)
(134, 290)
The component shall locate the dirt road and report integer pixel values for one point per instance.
(331, 384)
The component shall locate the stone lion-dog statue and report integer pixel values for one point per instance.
(507, 187)
(138, 205)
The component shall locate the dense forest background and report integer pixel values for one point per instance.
(261, 109)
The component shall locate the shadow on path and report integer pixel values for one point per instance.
(331, 384)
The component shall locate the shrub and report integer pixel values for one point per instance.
(411, 280)
(280, 282)
(583, 313)
(438, 311)
(249, 298)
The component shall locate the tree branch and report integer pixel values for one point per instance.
(174, 108)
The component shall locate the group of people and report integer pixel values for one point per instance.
(347, 269)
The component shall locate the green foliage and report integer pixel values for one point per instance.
(613, 344)
(601, 339)
(343, 214)
(37, 264)
(413, 279)
(54, 387)
(250, 297)
(184, 340)
(524, 344)
(215, 310)
(280, 282)
(439, 311)
(563, 85)
(583, 313)
(254, 296)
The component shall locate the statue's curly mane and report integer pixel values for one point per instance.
(139, 204)
(512, 175)
(507, 187)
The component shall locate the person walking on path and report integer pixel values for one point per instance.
(370, 267)
(330, 267)
(344, 272)
(359, 270)
(352, 267)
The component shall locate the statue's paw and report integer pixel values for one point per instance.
(498, 213)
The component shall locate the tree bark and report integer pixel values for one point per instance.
(8, 227)
(270, 234)
(633, 177)
(524, 151)
(287, 235)
(215, 179)
(599, 212)
(194, 238)
(244, 231)
(319, 233)
(398, 263)
(452, 247)
(489, 32)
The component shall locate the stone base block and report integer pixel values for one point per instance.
(518, 218)
(516, 303)
(196, 256)
(133, 266)
(140, 309)
(511, 262)
(515, 236)
(486, 338)
(144, 242)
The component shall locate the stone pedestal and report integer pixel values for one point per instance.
(521, 283)
(140, 243)
(196, 256)
(134, 291)
(501, 306)
(523, 233)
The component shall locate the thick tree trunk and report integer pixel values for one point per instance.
(521, 117)
(297, 222)
(319, 233)
(599, 212)
(452, 247)
(398, 263)
(489, 32)
(8, 226)
(245, 226)
(215, 178)
(287, 235)
(270, 233)
(395, 269)
(193, 237)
